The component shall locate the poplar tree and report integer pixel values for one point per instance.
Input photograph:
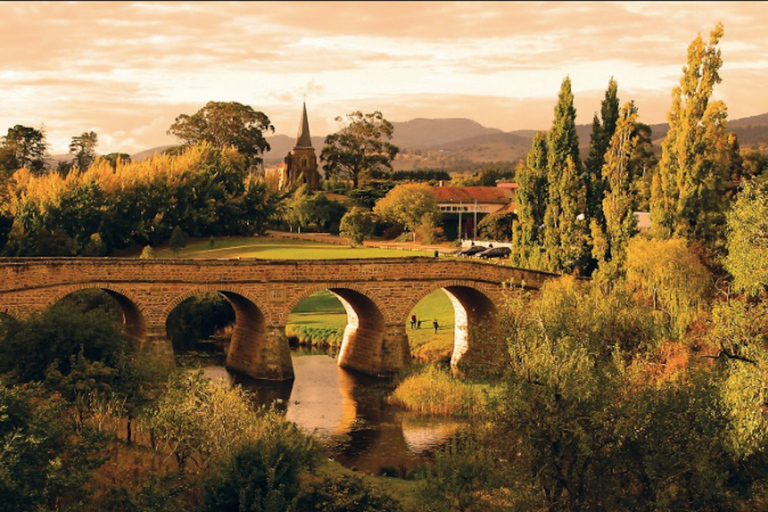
(688, 195)
(602, 132)
(565, 235)
(618, 175)
(530, 202)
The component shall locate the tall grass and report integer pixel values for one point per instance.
(435, 391)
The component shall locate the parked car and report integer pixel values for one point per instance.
(469, 251)
(495, 252)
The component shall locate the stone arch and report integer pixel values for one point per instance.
(130, 307)
(477, 343)
(254, 349)
(362, 348)
(363, 344)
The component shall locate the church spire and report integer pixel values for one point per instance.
(303, 140)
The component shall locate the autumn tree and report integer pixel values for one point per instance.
(610, 242)
(670, 278)
(747, 259)
(412, 205)
(223, 125)
(688, 196)
(602, 133)
(25, 147)
(361, 146)
(83, 147)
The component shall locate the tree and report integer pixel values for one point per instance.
(747, 259)
(617, 176)
(347, 493)
(147, 253)
(411, 205)
(585, 424)
(178, 240)
(42, 465)
(84, 149)
(357, 225)
(565, 237)
(264, 472)
(602, 133)
(23, 147)
(497, 226)
(688, 196)
(309, 210)
(226, 124)
(113, 158)
(670, 278)
(460, 477)
(360, 147)
(56, 337)
(531, 202)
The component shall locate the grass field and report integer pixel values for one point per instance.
(278, 249)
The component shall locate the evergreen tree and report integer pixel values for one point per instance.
(689, 196)
(530, 201)
(565, 233)
(602, 132)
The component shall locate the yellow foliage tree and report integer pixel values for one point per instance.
(670, 277)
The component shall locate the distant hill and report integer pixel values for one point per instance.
(431, 143)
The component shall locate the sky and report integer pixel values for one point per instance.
(126, 70)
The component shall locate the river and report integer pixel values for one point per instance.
(348, 413)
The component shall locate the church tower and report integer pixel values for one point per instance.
(300, 164)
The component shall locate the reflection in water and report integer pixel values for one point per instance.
(349, 413)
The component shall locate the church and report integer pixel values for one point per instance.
(300, 166)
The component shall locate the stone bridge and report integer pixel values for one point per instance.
(378, 295)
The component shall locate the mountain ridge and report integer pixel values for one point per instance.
(428, 143)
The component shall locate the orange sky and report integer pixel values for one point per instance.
(126, 69)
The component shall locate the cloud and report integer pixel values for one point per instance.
(130, 67)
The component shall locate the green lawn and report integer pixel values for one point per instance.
(279, 249)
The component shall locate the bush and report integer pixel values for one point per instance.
(346, 494)
(264, 474)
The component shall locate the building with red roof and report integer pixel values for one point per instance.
(468, 205)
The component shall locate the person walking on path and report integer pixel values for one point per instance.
(434, 324)
(413, 321)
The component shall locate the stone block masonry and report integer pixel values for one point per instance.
(378, 295)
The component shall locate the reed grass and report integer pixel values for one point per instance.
(435, 391)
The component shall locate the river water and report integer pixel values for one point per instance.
(348, 413)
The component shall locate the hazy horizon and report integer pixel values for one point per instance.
(125, 70)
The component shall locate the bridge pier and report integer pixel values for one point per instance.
(479, 350)
(395, 351)
(378, 352)
(266, 357)
(156, 342)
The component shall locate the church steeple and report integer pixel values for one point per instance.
(300, 164)
(303, 140)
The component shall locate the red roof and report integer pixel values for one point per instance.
(495, 195)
